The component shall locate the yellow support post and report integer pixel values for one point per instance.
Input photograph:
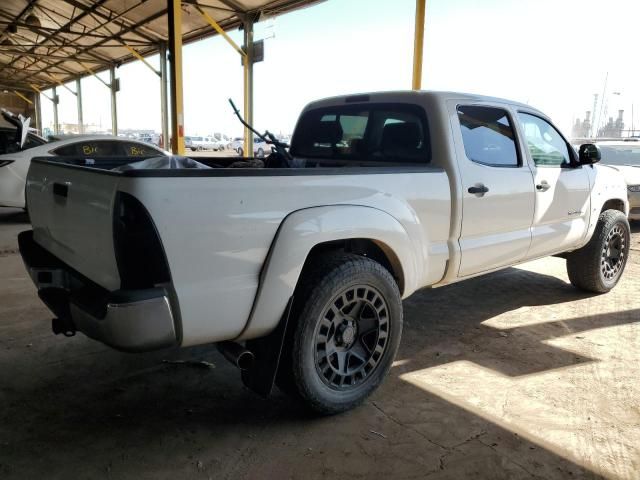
(247, 64)
(174, 10)
(23, 97)
(418, 45)
(247, 68)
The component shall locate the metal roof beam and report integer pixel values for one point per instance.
(62, 28)
(54, 57)
(25, 71)
(195, 3)
(126, 30)
(112, 16)
(82, 47)
(45, 30)
(29, 6)
(235, 6)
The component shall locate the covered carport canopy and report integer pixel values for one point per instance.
(49, 43)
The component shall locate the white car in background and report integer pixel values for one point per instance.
(16, 154)
(237, 143)
(220, 144)
(203, 143)
(222, 141)
(624, 156)
(261, 148)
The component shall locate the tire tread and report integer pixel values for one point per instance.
(583, 265)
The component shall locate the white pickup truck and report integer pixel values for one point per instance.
(297, 265)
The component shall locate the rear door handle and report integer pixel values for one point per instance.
(61, 189)
(478, 189)
(543, 186)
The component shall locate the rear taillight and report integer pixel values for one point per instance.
(139, 253)
(5, 162)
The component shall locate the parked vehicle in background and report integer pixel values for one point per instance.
(624, 156)
(203, 143)
(188, 144)
(305, 257)
(152, 138)
(260, 148)
(222, 141)
(15, 159)
(237, 143)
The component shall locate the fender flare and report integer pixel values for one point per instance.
(304, 229)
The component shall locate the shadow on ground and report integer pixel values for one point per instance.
(13, 216)
(72, 408)
(12, 222)
(430, 318)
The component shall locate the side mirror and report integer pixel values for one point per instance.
(589, 154)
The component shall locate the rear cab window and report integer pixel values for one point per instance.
(364, 134)
(488, 136)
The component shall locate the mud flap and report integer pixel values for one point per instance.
(267, 351)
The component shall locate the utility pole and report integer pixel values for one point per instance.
(592, 132)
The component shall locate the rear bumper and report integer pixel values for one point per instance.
(128, 320)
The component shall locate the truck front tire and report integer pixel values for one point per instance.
(346, 333)
(598, 266)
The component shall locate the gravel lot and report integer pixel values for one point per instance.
(512, 375)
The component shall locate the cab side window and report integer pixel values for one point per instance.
(488, 136)
(546, 145)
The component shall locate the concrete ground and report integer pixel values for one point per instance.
(513, 375)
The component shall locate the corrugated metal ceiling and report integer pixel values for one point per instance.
(43, 42)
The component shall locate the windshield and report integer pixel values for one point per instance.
(620, 154)
(8, 142)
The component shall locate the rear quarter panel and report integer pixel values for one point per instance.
(218, 231)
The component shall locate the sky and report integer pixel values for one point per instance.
(552, 54)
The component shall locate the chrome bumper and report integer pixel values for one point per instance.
(132, 326)
(128, 320)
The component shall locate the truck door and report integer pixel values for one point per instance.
(497, 190)
(562, 205)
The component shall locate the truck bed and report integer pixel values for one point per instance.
(216, 226)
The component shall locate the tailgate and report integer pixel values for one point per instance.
(71, 214)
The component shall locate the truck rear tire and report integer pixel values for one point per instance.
(345, 334)
(598, 266)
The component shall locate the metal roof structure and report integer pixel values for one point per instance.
(44, 43)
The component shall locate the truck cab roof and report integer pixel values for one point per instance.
(413, 96)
